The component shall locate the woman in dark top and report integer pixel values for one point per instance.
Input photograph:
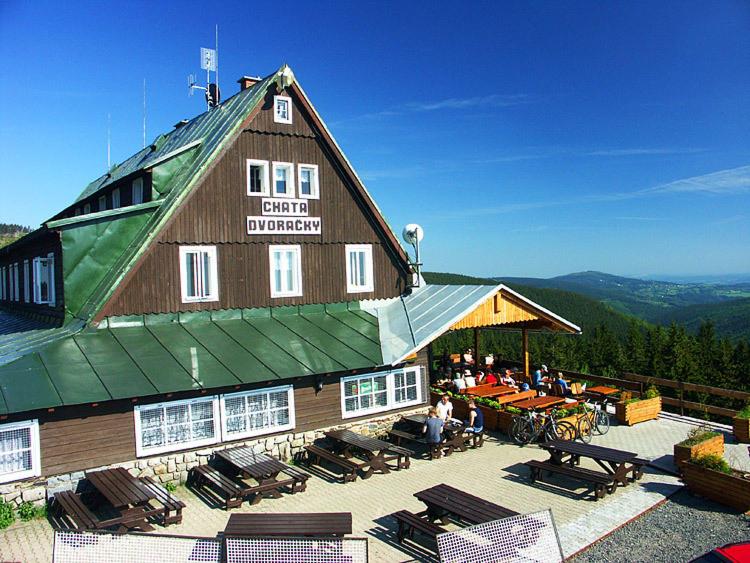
(475, 424)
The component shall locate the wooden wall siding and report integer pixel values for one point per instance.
(244, 279)
(300, 121)
(37, 247)
(85, 437)
(79, 438)
(495, 310)
(216, 212)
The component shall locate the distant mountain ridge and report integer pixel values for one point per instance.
(659, 301)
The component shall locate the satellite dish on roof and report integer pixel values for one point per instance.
(413, 234)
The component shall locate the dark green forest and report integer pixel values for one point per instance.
(612, 342)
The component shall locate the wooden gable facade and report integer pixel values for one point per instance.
(216, 213)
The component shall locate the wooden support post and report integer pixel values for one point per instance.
(476, 349)
(525, 348)
(430, 363)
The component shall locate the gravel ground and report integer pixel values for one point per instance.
(681, 529)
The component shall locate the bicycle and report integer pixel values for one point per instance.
(528, 427)
(594, 421)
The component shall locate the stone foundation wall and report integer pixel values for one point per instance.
(174, 467)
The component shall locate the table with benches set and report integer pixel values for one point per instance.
(131, 502)
(619, 467)
(231, 467)
(446, 503)
(373, 454)
(455, 438)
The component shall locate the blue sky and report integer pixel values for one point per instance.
(528, 138)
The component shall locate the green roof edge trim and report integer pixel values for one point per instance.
(61, 223)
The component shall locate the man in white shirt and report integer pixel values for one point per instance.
(444, 408)
(469, 379)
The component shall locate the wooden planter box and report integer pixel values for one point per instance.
(504, 420)
(730, 490)
(741, 428)
(714, 445)
(460, 408)
(490, 417)
(435, 398)
(639, 411)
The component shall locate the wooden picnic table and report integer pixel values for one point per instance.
(443, 500)
(126, 494)
(602, 390)
(259, 466)
(617, 463)
(372, 448)
(496, 391)
(335, 524)
(453, 431)
(539, 402)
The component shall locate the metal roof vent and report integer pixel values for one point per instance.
(181, 123)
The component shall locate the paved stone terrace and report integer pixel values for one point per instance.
(495, 472)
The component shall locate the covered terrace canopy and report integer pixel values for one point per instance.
(410, 322)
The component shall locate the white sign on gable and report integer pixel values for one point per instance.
(259, 225)
(284, 207)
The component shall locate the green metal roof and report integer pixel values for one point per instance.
(156, 354)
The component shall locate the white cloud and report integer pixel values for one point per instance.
(724, 182)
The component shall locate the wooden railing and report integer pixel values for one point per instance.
(637, 384)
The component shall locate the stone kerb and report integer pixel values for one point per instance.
(174, 467)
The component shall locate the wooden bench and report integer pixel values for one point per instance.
(397, 435)
(512, 398)
(403, 455)
(601, 483)
(408, 522)
(474, 439)
(300, 478)
(230, 491)
(638, 465)
(69, 503)
(170, 502)
(349, 467)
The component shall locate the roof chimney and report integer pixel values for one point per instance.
(248, 82)
(181, 123)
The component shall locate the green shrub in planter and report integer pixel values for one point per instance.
(714, 462)
(745, 412)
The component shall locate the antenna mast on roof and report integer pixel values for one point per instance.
(109, 140)
(144, 113)
(209, 63)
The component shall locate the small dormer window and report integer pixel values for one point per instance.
(103, 203)
(115, 198)
(137, 191)
(86, 208)
(282, 109)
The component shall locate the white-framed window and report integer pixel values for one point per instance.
(78, 211)
(102, 203)
(176, 425)
(115, 198)
(286, 270)
(283, 179)
(359, 274)
(199, 277)
(19, 450)
(307, 181)
(377, 392)
(282, 109)
(44, 280)
(26, 282)
(137, 187)
(15, 290)
(250, 413)
(86, 208)
(257, 178)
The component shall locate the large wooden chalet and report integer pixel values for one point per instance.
(233, 281)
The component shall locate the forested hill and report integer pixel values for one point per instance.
(731, 318)
(11, 232)
(584, 311)
(660, 302)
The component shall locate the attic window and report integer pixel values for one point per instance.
(103, 203)
(282, 109)
(137, 191)
(115, 198)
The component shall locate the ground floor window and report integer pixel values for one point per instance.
(176, 425)
(19, 450)
(376, 392)
(257, 412)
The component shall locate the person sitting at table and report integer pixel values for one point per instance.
(490, 378)
(459, 384)
(480, 378)
(475, 424)
(507, 379)
(470, 380)
(525, 387)
(537, 380)
(433, 427)
(563, 385)
(444, 408)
